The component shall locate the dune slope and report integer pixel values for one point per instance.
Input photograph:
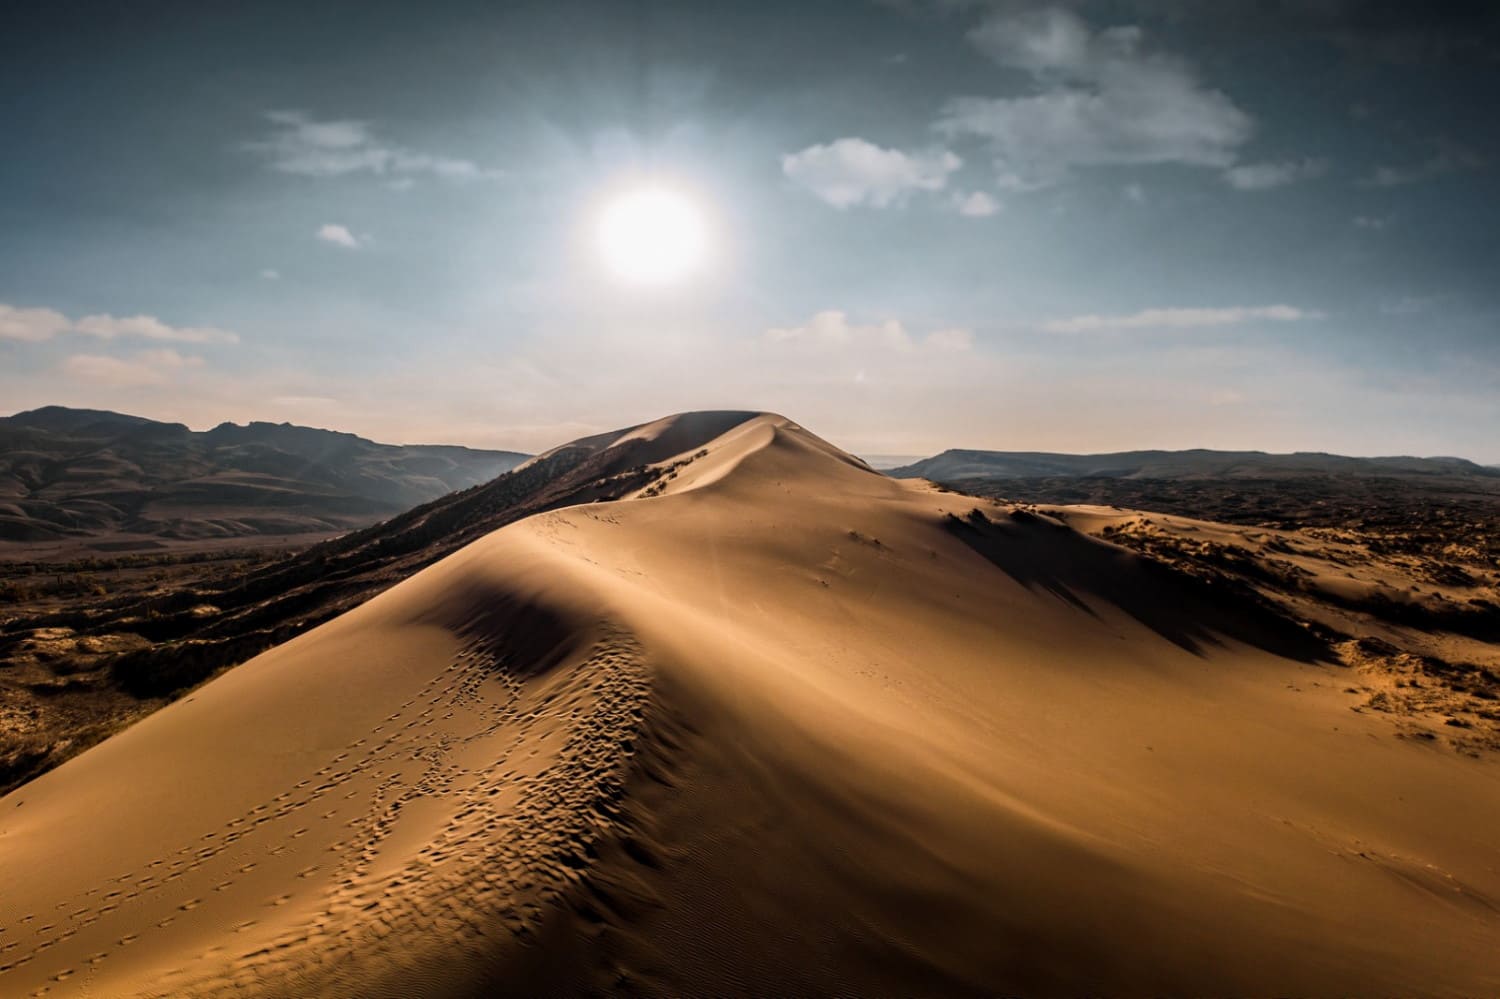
(775, 724)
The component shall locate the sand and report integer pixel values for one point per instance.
(782, 726)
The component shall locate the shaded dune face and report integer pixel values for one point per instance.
(774, 725)
(1045, 554)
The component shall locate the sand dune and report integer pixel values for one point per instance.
(775, 725)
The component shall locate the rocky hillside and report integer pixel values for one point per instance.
(89, 473)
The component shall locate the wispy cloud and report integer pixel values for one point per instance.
(1175, 318)
(338, 235)
(853, 171)
(1264, 176)
(1448, 160)
(975, 204)
(39, 324)
(107, 327)
(1103, 98)
(301, 144)
(832, 329)
(1408, 305)
(147, 367)
(31, 324)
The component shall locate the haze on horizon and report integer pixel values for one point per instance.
(1074, 227)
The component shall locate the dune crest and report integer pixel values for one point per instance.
(776, 724)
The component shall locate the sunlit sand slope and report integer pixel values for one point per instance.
(779, 725)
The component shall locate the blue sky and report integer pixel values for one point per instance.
(1083, 227)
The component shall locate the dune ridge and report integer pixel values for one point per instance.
(773, 724)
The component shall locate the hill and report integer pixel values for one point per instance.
(720, 710)
(953, 465)
(79, 473)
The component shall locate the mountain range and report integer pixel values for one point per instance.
(68, 473)
(955, 464)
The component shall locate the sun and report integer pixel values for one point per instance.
(652, 236)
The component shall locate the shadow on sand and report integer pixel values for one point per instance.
(1191, 613)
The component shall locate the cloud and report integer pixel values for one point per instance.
(43, 324)
(1042, 40)
(148, 367)
(949, 340)
(1263, 176)
(976, 205)
(271, 274)
(301, 144)
(313, 401)
(832, 330)
(1408, 305)
(851, 171)
(338, 235)
(1180, 318)
(1376, 222)
(1451, 159)
(1226, 397)
(1103, 99)
(31, 324)
(107, 327)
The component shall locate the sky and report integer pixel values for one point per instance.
(1079, 227)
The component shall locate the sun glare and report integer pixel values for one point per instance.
(652, 236)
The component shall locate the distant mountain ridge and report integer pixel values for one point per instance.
(80, 472)
(1200, 463)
